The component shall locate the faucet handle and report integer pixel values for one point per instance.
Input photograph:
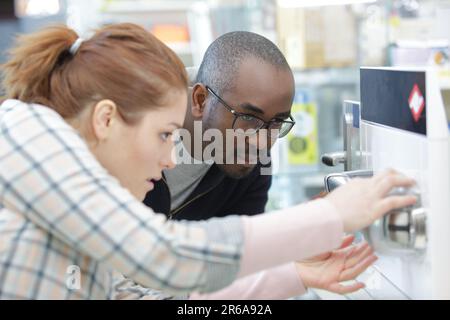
(335, 158)
(335, 180)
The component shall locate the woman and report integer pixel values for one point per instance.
(84, 133)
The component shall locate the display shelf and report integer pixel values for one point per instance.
(325, 76)
(140, 6)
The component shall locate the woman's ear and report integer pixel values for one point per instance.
(198, 99)
(104, 117)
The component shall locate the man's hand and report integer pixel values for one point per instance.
(329, 269)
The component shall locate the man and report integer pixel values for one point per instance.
(244, 82)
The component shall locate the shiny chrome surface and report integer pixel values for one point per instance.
(403, 229)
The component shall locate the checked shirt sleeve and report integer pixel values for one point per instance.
(48, 174)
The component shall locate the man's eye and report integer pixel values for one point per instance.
(277, 124)
(246, 117)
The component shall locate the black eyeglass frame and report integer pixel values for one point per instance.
(264, 124)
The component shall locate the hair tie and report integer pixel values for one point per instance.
(76, 45)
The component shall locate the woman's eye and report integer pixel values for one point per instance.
(165, 136)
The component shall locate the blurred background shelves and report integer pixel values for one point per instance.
(325, 42)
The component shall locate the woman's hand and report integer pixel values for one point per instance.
(362, 201)
(328, 270)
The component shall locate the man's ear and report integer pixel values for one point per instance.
(198, 98)
(103, 118)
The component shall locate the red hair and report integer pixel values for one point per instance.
(122, 62)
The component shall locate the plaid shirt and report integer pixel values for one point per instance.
(66, 225)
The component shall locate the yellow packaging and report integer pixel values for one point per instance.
(303, 139)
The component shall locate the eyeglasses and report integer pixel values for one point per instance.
(251, 124)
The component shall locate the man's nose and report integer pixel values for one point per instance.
(261, 140)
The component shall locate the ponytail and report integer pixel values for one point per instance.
(28, 74)
(123, 63)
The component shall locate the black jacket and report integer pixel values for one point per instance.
(216, 196)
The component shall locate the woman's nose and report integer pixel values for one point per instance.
(170, 165)
(169, 160)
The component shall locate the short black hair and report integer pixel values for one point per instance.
(224, 56)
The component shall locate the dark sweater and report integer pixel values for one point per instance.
(216, 196)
